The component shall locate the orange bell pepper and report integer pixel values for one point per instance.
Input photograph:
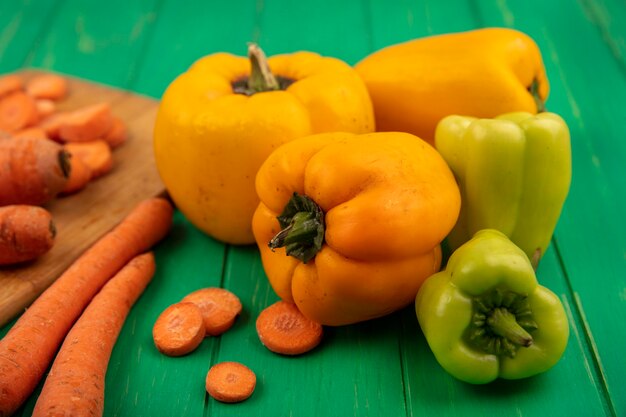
(218, 122)
(481, 73)
(353, 222)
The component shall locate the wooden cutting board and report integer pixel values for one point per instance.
(83, 217)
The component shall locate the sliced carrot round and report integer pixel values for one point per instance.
(179, 329)
(283, 329)
(219, 308)
(230, 382)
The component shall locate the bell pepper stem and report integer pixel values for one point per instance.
(261, 77)
(503, 323)
(302, 234)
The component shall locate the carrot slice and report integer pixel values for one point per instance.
(283, 329)
(48, 86)
(17, 111)
(219, 308)
(31, 132)
(117, 134)
(52, 124)
(95, 154)
(87, 123)
(179, 329)
(10, 83)
(230, 382)
(45, 107)
(80, 175)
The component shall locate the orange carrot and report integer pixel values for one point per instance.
(282, 328)
(87, 123)
(29, 346)
(48, 86)
(117, 134)
(230, 382)
(75, 384)
(26, 232)
(179, 329)
(45, 107)
(219, 308)
(80, 175)
(10, 83)
(96, 154)
(32, 132)
(18, 110)
(52, 124)
(32, 171)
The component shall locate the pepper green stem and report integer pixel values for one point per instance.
(302, 234)
(261, 77)
(503, 323)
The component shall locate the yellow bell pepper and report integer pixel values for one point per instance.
(218, 122)
(481, 73)
(349, 226)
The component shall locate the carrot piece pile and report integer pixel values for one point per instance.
(45, 153)
(28, 109)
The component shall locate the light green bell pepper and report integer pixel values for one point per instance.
(485, 316)
(514, 173)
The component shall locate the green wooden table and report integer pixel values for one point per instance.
(383, 367)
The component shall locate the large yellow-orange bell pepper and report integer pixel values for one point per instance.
(350, 225)
(218, 122)
(481, 73)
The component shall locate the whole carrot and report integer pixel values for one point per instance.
(30, 345)
(76, 382)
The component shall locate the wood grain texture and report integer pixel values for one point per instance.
(83, 217)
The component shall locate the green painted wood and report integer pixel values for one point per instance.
(382, 367)
(588, 89)
(332, 28)
(413, 19)
(22, 23)
(97, 40)
(189, 30)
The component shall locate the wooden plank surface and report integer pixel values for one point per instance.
(383, 367)
(83, 217)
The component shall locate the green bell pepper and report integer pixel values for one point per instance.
(514, 173)
(485, 316)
